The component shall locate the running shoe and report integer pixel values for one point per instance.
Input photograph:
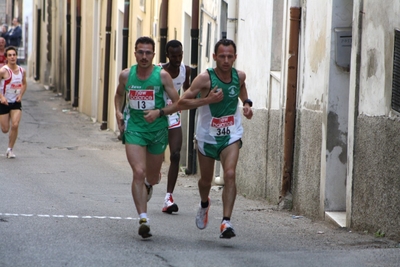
(149, 191)
(226, 230)
(10, 154)
(144, 228)
(202, 216)
(169, 205)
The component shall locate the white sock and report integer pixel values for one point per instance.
(9, 149)
(143, 215)
(168, 195)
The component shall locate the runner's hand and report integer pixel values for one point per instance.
(216, 95)
(120, 121)
(3, 100)
(151, 115)
(247, 112)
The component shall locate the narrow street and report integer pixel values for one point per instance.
(65, 201)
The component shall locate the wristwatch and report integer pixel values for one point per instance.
(248, 101)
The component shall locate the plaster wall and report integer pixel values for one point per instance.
(311, 122)
(376, 180)
(254, 58)
(374, 140)
(307, 163)
(337, 110)
(86, 69)
(254, 48)
(377, 56)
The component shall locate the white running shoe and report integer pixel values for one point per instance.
(202, 216)
(226, 230)
(144, 228)
(10, 154)
(169, 205)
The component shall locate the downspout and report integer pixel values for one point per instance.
(106, 65)
(39, 22)
(68, 93)
(163, 30)
(125, 36)
(77, 53)
(12, 10)
(290, 112)
(194, 33)
(125, 42)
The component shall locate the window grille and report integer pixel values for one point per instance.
(396, 73)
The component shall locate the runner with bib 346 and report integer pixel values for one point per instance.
(219, 128)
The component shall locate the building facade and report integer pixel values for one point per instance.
(321, 74)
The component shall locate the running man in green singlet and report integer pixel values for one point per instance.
(219, 128)
(144, 124)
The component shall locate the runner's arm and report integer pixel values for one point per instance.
(200, 85)
(186, 84)
(247, 111)
(19, 97)
(152, 115)
(3, 75)
(119, 97)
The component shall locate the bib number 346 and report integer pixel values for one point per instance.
(222, 126)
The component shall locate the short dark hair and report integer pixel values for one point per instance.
(12, 48)
(145, 40)
(172, 43)
(224, 42)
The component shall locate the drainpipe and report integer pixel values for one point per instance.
(291, 92)
(125, 36)
(163, 30)
(106, 65)
(39, 22)
(194, 33)
(77, 53)
(125, 41)
(12, 10)
(68, 93)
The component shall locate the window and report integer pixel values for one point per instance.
(143, 5)
(396, 72)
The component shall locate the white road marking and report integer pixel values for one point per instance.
(68, 216)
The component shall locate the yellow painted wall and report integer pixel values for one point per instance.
(85, 81)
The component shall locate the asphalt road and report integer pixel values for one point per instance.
(65, 201)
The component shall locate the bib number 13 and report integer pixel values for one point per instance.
(141, 105)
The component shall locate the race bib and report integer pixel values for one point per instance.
(222, 126)
(15, 89)
(142, 99)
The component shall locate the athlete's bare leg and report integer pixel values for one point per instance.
(15, 118)
(229, 158)
(139, 159)
(175, 144)
(5, 122)
(206, 176)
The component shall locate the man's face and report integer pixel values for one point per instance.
(2, 43)
(11, 56)
(144, 55)
(175, 55)
(225, 57)
(15, 22)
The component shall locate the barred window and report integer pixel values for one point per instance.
(396, 72)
